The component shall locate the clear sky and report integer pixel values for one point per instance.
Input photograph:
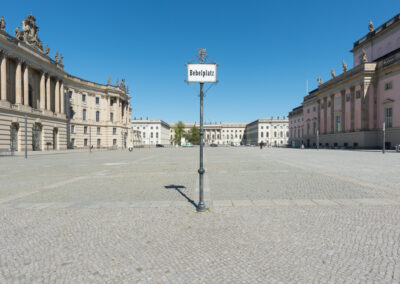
(266, 50)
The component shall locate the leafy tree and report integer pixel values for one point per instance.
(194, 135)
(179, 132)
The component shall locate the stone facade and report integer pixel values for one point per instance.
(265, 130)
(349, 110)
(36, 86)
(151, 131)
(270, 131)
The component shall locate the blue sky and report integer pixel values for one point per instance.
(266, 50)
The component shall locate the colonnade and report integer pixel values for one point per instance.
(22, 86)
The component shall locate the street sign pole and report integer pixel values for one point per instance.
(317, 139)
(201, 73)
(201, 206)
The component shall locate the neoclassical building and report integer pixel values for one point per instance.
(151, 131)
(63, 111)
(270, 131)
(349, 110)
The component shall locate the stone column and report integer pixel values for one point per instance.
(117, 114)
(48, 106)
(57, 97)
(343, 111)
(18, 82)
(333, 113)
(43, 91)
(3, 59)
(325, 115)
(26, 84)
(352, 108)
(62, 99)
(319, 126)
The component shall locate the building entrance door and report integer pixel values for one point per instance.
(37, 137)
(55, 134)
(14, 137)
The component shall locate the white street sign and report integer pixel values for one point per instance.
(202, 73)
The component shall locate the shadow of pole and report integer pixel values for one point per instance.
(178, 189)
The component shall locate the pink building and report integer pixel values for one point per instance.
(349, 110)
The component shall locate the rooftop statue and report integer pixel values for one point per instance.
(47, 50)
(122, 86)
(28, 34)
(344, 64)
(371, 26)
(117, 83)
(333, 73)
(61, 58)
(108, 81)
(2, 24)
(319, 80)
(56, 56)
(364, 56)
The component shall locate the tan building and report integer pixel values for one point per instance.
(62, 111)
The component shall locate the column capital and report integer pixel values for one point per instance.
(20, 61)
(3, 54)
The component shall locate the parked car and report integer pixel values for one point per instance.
(188, 144)
(159, 145)
(213, 145)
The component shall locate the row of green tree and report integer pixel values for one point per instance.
(192, 136)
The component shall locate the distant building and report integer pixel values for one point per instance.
(151, 131)
(349, 109)
(270, 131)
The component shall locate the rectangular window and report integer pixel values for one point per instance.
(98, 142)
(314, 128)
(114, 131)
(114, 142)
(85, 142)
(337, 123)
(98, 130)
(73, 142)
(85, 130)
(71, 112)
(156, 134)
(97, 116)
(388, 117)
(83, 98)
(144, 134)
(84, 114)
(111, 102)
(111, 117)
(97, 100)
(70, 94)
(388, 85)
(72, 128)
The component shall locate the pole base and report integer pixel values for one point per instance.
(201, 207)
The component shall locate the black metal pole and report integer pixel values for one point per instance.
(90, 139)
(201, 207)
(26, 137)
(383, 140)
(317, 139)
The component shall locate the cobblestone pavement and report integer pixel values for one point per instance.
(276, 215)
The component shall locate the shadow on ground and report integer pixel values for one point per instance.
(179, 188)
